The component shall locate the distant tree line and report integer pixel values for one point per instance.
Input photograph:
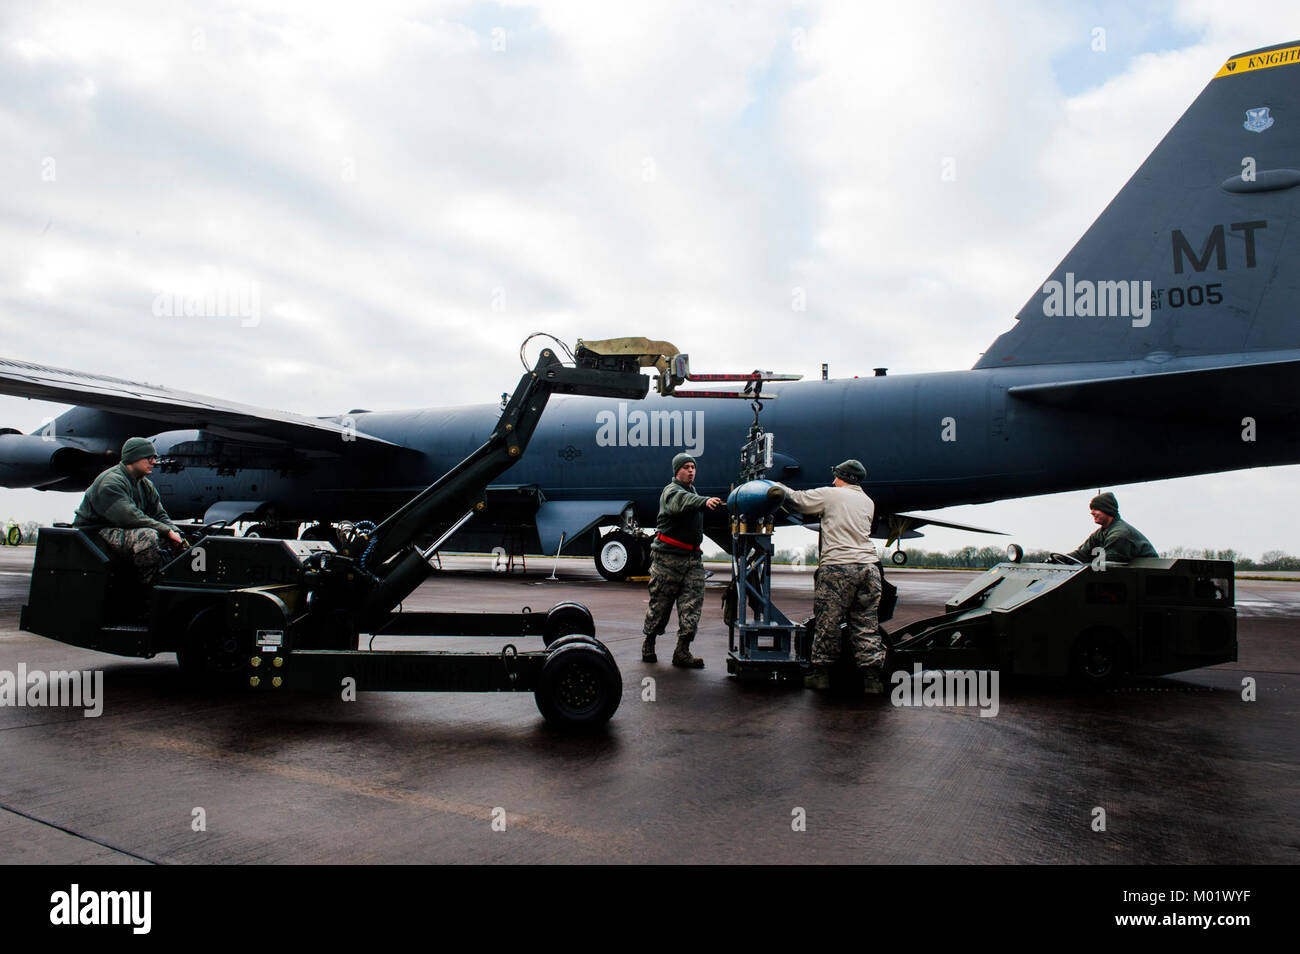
(981, 558)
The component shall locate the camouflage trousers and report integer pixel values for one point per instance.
(140, 545)
(847, 593)
(675, 577)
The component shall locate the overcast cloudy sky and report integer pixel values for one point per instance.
(413, 188)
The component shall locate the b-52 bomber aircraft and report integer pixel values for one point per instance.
(1164, 344)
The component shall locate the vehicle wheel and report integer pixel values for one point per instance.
(579, 688)
(262, 530)
(14, 536)
(568, 618)
(616, 555)
(899, 558)
(1099, 658)
(323, 532)
(644, 557)
(581, 638)
(212, 653)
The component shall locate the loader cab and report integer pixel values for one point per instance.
(85, 595)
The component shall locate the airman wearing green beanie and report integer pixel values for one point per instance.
(123, 510)
(677, 568)
(1121, 541)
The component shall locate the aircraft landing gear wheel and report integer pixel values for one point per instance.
(616, 555)
(213, 654)
(1098, 659)
(644, 557)
(899, 558)
(580, 686)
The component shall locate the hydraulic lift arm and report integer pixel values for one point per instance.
(389, 553)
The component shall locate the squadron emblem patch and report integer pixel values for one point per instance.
(1257, 120)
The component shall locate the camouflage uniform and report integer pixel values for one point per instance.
(677, 570)
(127, 514)
(848, 592)
(140, 545)
(675, 577)
(848, 586)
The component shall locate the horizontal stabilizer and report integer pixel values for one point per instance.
(1270, 386)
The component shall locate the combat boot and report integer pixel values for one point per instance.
(648, 650)
(682, 656)
(818, 677)
(872, 684)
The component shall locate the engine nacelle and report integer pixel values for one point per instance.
(42, 461)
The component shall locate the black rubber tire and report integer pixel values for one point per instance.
(899, 558)
(212, 654)
(323, 532)
(644, 557)
(1098, 658)
(262, 531)
(616, 556)
(579, 688)
(567, 618)
(14, 537)
(580, 638)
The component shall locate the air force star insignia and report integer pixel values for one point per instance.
(1257, 120)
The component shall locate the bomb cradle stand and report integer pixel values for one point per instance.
(762, 643)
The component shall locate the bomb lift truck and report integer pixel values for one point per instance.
(292, 614)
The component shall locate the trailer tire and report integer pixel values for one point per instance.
(1098, 658)
(579, 688)
(566, 618)
(581, 638)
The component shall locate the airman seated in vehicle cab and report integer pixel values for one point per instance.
(1121, 541)
(123, 510)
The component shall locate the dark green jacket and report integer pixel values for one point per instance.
(1121, 542)
(116, 499)
(681, 516)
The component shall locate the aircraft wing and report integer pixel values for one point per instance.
(915, 520)
(894, 526)
(177, 409)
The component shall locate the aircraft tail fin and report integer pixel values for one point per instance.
(1195, 255)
